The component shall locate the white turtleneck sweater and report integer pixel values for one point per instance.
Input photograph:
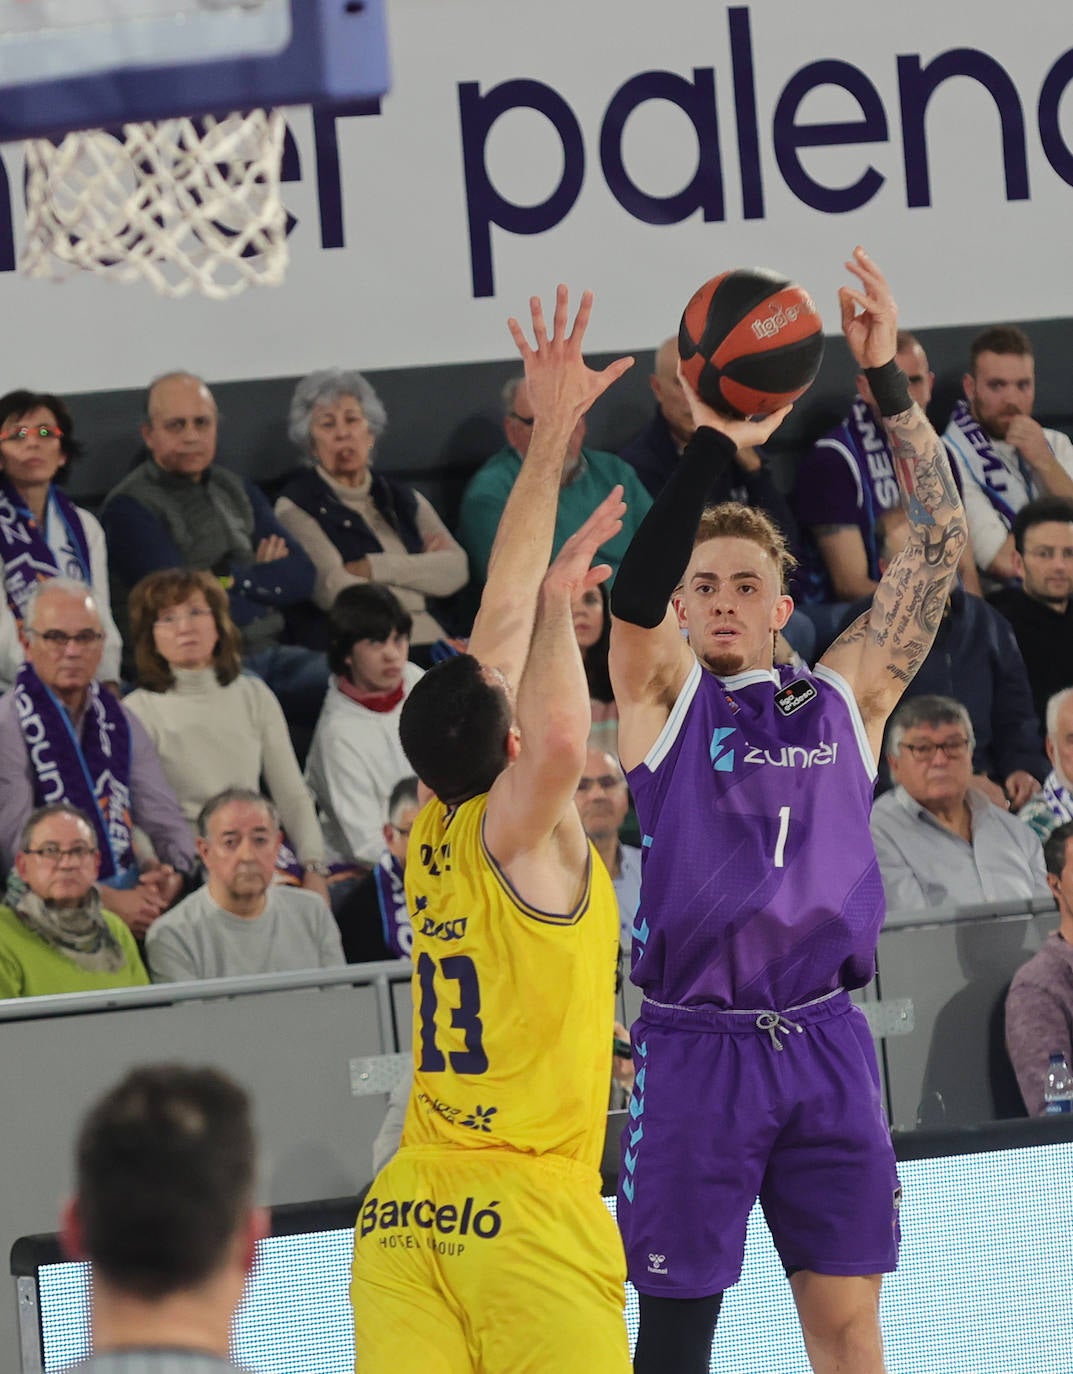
(211, 737)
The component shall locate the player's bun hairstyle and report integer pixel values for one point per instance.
(165, 1172)
(732, 520)
(750, 341)
(453, 729)
(369, 611)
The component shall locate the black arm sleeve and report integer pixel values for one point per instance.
(659, 551)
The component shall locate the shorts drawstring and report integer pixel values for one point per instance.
(773, 1022)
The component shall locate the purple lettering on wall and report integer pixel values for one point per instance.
(741, 67)
(917, 83)
(789, 136)
(696, 99)
(484, 204)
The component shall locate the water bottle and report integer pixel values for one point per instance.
(1058, 1087)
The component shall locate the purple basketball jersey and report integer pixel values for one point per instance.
(760, 886)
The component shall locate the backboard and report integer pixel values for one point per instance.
(85, 64)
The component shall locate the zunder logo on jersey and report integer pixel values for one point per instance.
(723, 754)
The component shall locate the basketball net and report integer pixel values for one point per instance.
(188, 205)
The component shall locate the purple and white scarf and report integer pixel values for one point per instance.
(394, 913)
(27, 555)
(1058, 798)
(984, 465)
(90, 769)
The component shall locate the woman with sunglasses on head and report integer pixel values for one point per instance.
(43, 533)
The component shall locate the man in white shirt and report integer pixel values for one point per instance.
(239, 922)
(1005, 457)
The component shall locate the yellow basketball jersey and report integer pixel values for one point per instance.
(513, 1007)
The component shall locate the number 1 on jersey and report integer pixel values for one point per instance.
(780, 843)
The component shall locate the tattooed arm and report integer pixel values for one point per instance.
(881, 651)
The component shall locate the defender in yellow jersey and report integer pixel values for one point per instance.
(484, 1245)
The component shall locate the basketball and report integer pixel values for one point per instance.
(750, 341)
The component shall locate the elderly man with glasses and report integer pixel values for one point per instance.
(63, 738)
(939, 840)
(54, 934)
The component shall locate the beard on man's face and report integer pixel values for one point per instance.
(724, 664)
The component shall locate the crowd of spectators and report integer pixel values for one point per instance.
(200, 693)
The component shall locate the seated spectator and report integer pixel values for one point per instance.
(240, 922)
(1040, 610)
(939, 841)
(846, 483)
(356, 759)
(655, 452)
(603, 799)
(165, 1181)
(212, 725)
(588, 476)
(1005, 458)
(356, 524)
(1053, 806)
(1039, 1004)
(181, 509)
(63, 738)
(976, 661)
(373, 918)
(592, 627)
(54, 934)
(43, 533)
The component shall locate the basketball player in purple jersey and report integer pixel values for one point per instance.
(761, 900)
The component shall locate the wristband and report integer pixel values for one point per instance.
(890, 387)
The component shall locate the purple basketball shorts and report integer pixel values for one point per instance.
(729, 1107)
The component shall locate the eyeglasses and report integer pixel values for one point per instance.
(52, 853)
(522, 419)
(170, 619)
(20, 435)
(57, 639)
(606, 783)
(924, 753)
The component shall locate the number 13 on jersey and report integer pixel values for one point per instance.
(465, 1016)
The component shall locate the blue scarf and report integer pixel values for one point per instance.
(394, 914)
(91, 772)
(27, 555)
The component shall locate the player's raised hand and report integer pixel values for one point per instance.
(744, 433)
(872, 335)
(559, 382)
(572, 569)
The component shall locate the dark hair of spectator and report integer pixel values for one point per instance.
(159, 592)
(165, 1176)
(369, 611)
(1042, 511)
(403, 794)
(235, 794)
(1054, 848)
(594, 658)
(453, 729)
(26, 834)
(16, 405)
(1000, 338)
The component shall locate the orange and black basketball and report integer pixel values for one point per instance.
(750, 342)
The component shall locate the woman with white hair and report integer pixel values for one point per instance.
(356, 524)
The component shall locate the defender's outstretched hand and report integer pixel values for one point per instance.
(873, 334)
(571, 570)
(743, 433)
(558, 381)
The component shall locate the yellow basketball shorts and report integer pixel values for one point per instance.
(487, 1262)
